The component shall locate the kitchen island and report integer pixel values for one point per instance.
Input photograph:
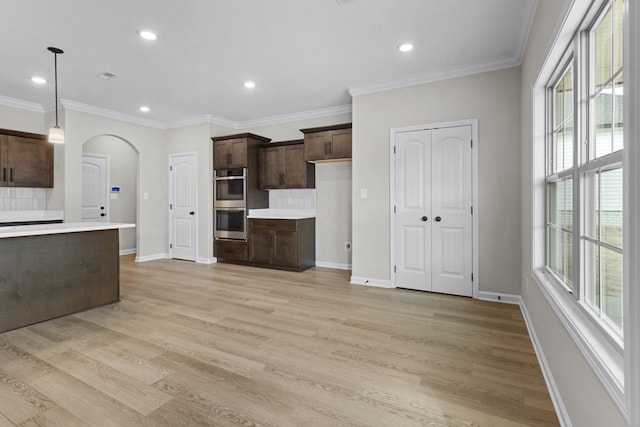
(51, 270)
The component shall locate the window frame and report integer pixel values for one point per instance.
(583, 138)
(607, 354)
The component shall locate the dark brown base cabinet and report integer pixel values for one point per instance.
(287, 244)
(232, 250)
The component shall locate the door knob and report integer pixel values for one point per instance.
(424, 218)
(192, 213)
(438, 219)
(103, 214)
(102, 207)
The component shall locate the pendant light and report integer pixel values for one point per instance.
(56, 135)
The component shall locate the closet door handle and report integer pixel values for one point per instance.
(438, 219)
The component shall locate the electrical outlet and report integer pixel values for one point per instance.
(347, 247)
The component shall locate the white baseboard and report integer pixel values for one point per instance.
(151, 257)
(556, 398)
(207, 260)
(379, 283)
(499, 297)
(127, 251)
(335, 265)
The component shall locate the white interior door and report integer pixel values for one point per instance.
(451, 200)
(433, 219)
(413, 210)
(94, 189)
(183, 196)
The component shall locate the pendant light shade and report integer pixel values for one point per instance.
(56, 135)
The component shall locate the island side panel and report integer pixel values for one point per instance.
(43, 277)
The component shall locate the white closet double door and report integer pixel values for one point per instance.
(433, 210)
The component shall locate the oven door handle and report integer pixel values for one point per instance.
(229, 178)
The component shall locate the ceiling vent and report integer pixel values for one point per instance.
(106, 75)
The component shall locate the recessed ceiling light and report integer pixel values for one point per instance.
(405, 47)
(38, 80)
(106, 75)
(249, 84)
(145, 109)
(148, 35)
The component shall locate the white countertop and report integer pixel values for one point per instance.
(67, 227)
(282, 213)
(26, 216)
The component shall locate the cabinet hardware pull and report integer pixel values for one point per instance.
(330, 147)
(4, 174)
(325, 148)
(11, 174)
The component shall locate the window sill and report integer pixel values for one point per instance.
(603, 353)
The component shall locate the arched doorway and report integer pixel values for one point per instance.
(121, 183)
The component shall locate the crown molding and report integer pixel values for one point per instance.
(203, 118)
(23, 105)
(267, 121)
(109, 114)
(304, 115)
(70, 105)
(525, 30)
(431, 76)
(190, 121)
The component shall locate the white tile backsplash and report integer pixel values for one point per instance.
(22, 199)
(292, 199)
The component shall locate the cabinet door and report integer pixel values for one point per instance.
(340, 147)
(261, 247)
(221, 154)
(238, 150)
(316, 146)
(295, 170)
(30, 162)
(271, 172)
(4, 171)
(285, 248)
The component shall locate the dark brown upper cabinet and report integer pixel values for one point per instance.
(328, 143)
(26, 160)
(282, 165)
(232, 151)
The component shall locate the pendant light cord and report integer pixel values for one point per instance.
(55, 65)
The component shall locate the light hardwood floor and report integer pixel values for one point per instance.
(222, 345)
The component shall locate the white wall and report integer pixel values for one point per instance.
(22, 120)
(151, 223)
(123, 173)
(196, 138)
(585, 399)
(494, 99)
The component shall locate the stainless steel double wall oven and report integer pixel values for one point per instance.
(230, 203)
